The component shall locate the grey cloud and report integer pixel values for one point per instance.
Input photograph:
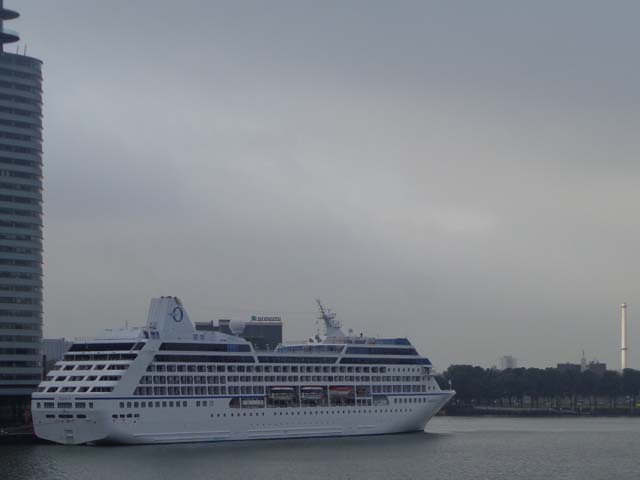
(463, 173)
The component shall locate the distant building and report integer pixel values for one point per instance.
(594, 366)
(597, 368)
(265, 333)
(507, 362)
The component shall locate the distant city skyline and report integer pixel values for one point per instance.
(461, 174)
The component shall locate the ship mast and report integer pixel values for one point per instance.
(332, 326)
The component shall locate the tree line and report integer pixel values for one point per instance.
(489, 386)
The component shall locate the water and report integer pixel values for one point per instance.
(452, 448)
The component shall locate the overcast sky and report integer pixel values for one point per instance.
(462, 173)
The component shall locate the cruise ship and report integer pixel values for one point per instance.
(169, 382)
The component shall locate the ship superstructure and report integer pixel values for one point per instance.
(168, 382)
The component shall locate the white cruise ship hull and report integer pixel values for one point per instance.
(168, 382)
(220, 423)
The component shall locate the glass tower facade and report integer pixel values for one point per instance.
(20, 221)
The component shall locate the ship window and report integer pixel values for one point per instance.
(81, 405)
(129, 415)
(99, 367)
(164, 404)
(81, 415)
(102, 389)
(99, 347)
(184, 404)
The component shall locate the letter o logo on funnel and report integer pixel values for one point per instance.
(177, 314)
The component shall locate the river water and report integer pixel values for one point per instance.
(451, 448)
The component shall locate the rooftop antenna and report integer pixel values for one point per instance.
(6, 35)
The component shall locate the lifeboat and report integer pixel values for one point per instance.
(281, 394)
(311, 393)
(339, 391)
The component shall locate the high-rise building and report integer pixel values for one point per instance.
(20, 223)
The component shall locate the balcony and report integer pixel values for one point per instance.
(8, 36)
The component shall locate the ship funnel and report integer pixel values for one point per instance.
(168, 316)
